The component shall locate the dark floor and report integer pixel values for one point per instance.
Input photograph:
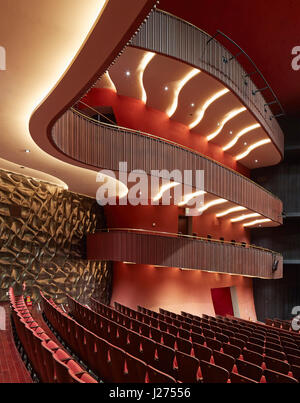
(12, 368)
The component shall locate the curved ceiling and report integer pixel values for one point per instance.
(195, 99)
(45, 44)
(266, 30)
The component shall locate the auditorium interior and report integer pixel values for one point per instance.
(149, 192)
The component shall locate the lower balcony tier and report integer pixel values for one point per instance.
(185, 252)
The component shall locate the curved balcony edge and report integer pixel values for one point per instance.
(185, 252)
(104, 146)
(171, 36)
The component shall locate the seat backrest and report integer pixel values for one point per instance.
(276, 377)
(135, 370)
(197, 338)
(232, 350)
(292, 351)
(165, 359)
(148, 350)
(183, 345)
(280, 355)
(202, 352)
(277, 365)
(253, 357)
(237, 378)
(296, 371)
(293, 359)
(249, 370)
(184, 334)
(223, 360)
(212, 373)
(156, 376)
(254, 347)
(274, 346)
(187, 367)
(168, 339)
(213, 344)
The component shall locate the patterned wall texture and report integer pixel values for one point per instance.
(42, 241)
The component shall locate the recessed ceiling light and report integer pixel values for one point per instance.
(22, 167)
(256, 161)
(192, 104)
(127, 73)
(166, 88)
(218, 124)
(230, 132)
(27, 151)
(245, 143)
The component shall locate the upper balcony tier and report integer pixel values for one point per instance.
(175, 68)
(99, 145)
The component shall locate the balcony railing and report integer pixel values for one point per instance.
(104, 146)
(183, 251)
(169, 35)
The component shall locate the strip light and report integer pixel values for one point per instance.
(211, 204)
(231, 210)
(164, 188)
(228, 117)
(248, 224)
(113, 87)
(142, 67)
(206, 105)
(170, 112)
(252, 147)
(244, 217)
(239, 135)
(190, 196)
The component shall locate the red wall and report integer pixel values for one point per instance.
(133, 114)
(166, 220)
(177, 290)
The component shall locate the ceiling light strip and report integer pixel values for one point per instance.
(251, 148)
(228, 117)
(206, 105)
(142, 67)
(239, 135)
(244, 217)
(170, 112)
(248, 224)
(231, 210)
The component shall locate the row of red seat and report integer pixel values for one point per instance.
(290, 340)
(49, 362)
(263, 360)
(240, 335)
(108, 361)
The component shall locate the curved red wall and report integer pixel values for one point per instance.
(177, 290)
(134, 114)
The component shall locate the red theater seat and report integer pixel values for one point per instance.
(276, 377)
(156, 376)
(212, 373)
(187, 368)
(223, 360)
(237, 378)
(249, 370)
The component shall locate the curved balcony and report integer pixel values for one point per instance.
(101, 146)
(171, 36)
(188, 252)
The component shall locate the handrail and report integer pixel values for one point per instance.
(96, 111)
(248, 74)
(141, 230)
(139, 132)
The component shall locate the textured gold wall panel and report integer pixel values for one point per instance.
(42, 241)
